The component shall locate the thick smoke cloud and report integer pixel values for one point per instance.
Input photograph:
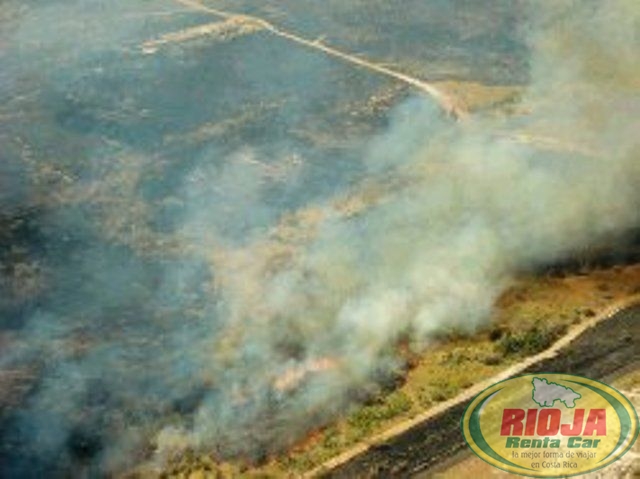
(151, 306)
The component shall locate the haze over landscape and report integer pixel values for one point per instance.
(215, 238)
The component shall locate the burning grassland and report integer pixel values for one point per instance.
(535, 308)
(247, 284)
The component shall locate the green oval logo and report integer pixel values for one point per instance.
(550, 425)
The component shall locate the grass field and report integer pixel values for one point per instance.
(527, 319)
(188, 191)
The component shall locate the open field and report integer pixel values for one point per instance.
(240, 239)
(527, 319)
(116, 126)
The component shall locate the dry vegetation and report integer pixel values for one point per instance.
(527, 318)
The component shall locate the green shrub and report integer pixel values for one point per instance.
(529, 342)
(368, 417)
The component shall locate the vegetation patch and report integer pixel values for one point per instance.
(531, 341)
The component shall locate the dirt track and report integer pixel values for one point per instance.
(602, 352)
(448, 104)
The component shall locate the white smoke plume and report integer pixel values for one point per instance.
(247, 326)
